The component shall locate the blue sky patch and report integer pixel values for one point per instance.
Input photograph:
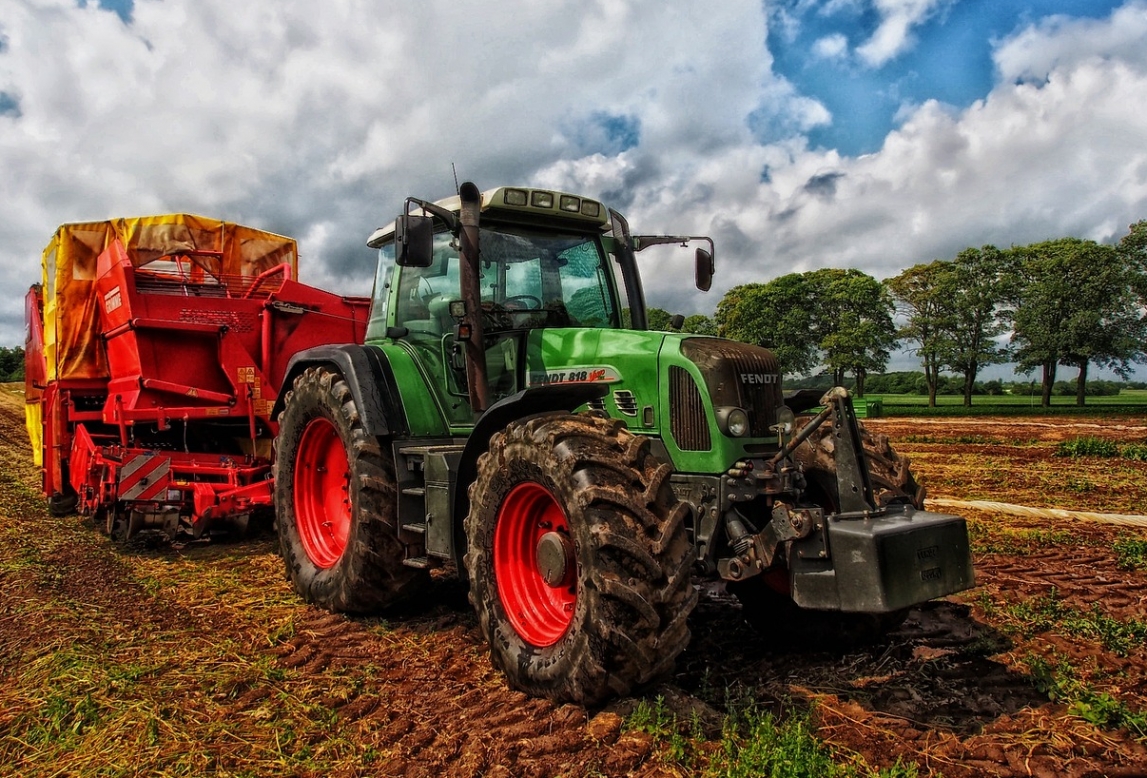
(122, 8)
(950, 60)
(607, 133)
(9, 106)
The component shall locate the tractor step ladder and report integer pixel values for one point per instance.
(425, 498)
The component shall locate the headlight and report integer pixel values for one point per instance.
(734, 422)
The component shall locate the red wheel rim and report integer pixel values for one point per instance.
(540, 612)
(322, 493)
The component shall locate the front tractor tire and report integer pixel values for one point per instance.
(578, 558)
(335, 502)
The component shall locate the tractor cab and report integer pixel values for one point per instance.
(528, 280)
(538, 260)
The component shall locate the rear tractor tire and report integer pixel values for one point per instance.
(336, 502)
(578, 558)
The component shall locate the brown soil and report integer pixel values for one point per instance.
(198, 659)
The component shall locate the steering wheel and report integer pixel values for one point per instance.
(521, 302)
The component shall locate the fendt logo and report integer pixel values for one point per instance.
(759, 378)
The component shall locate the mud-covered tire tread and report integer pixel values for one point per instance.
(63, 503)
(369, 576)
(634, 586)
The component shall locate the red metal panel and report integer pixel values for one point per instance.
(144, 477)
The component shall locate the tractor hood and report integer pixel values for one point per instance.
(683, 388)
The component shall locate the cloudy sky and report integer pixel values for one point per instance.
(800, 134)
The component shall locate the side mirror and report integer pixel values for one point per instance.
(414, 240)
(703, 274)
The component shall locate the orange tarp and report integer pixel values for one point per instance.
(71, 318)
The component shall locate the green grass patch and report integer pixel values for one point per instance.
(1060, 682)
(1126, 403)
(1136, 452)
(1049, 612)
(1087, 447)
(1131, 553)
(993, 538)
(1101, 448)
(754, 744)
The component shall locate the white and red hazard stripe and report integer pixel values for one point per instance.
(144, 477)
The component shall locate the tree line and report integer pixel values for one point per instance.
(11, 364)
(1060, 303)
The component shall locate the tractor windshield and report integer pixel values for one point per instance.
(529, 279)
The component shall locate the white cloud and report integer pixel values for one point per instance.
(1062, 43)
(288, 115)
(830, 47)
(316, 122)
(1063, 156)
(893, 34)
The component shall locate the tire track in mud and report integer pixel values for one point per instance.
(1081, 579)
(429, 701)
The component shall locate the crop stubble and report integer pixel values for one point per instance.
(193, 659)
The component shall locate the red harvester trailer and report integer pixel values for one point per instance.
(156, 347)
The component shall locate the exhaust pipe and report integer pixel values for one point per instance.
(477, 380)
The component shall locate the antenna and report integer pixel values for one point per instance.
(456, 187)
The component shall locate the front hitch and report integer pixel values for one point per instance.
(863, 557)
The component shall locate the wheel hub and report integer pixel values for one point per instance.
(555, 559)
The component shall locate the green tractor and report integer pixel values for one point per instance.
(510, 417)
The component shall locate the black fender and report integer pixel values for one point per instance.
(526, 403)
(368, 374)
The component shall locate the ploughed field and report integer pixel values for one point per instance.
(198, 659)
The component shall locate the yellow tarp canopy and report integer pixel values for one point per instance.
(71, 318)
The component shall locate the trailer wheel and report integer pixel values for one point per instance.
(63, 503)
(578, 558)
(335, 502)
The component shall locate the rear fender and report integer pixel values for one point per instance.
(371, 380)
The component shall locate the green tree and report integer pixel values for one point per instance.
(1076, 304)
(919, 294)
(777, 315)
(853, 321)
(972, 297)
(659, 319)
(11, 364)
(1132, 250)
(1106, 329)
(699, 324)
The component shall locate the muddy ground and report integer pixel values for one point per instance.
(198, 659)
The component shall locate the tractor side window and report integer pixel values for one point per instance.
(422, 304)
(380, 297)
(585, 286)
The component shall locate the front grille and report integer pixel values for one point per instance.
(739, 375)
(689, 423)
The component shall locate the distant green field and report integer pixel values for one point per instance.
(1128, 402)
